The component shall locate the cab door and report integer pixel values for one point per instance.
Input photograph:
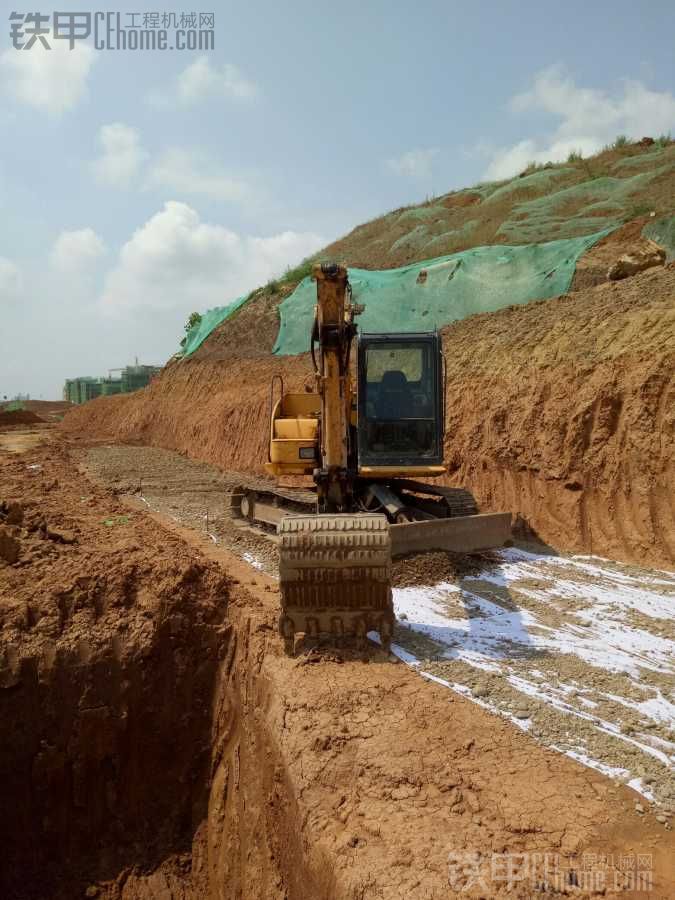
(400, 402)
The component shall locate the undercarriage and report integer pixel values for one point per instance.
(335, 568)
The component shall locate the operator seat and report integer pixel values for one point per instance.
(395, 399)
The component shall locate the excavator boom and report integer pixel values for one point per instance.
(335, 567)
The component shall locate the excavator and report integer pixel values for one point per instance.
(366, 441)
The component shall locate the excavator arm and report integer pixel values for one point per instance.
(335, 567)
(333, 333)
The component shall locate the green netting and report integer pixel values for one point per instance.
(462, 233)
(483, 188)
(663, 232)
(647, 159)
(211, 319)
(426, 295)
(574, 210)
(422, 212)
(540, 180)
(418, 237)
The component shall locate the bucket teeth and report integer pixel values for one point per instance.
(335, 573)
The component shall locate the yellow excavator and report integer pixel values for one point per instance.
(365, 444)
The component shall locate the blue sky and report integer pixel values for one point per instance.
(137, 186)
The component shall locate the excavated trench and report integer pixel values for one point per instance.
(158, 745)
(108, 757)
(143, 748)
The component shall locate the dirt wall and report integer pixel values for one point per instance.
(563, 412)
(139, 763)
(560, 411)
(19, 417)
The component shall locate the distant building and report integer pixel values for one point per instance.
(79, 390)
(136, 377)
(86, 387)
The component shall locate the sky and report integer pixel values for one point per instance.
(139, 185)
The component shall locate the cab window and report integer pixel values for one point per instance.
(399, 401)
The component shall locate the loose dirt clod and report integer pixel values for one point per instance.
(9, 546)
(637, 261)
(11, 513)
(62, 535)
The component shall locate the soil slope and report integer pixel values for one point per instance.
(560, 411)
(543, 203)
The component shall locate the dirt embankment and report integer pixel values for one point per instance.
(212, 410)
(49, 410)
(563, 412)
(125, 671)
(19, 417)
(560, 411)
(162, 745)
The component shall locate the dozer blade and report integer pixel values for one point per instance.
(463, 534)
(335, 573)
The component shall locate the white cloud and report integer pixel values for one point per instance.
(11, 282)
(201, 80)
(192, 172)
(588, 118)
(413, 163)
(122, 155)
(176, 262)
(178, 170)
(54, 80)
(509, 161)
(75, 253)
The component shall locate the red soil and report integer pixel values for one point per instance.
(163, 746)
(19, 417)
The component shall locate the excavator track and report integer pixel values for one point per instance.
(335, 574)
(459, 501)
(455, 525)
(335, 570)
(253, 504)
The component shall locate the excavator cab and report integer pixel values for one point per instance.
(400, 400)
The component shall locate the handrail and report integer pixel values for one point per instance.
(271, 413)
(444, 366)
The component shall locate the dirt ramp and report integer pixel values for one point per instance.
(49, 410)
